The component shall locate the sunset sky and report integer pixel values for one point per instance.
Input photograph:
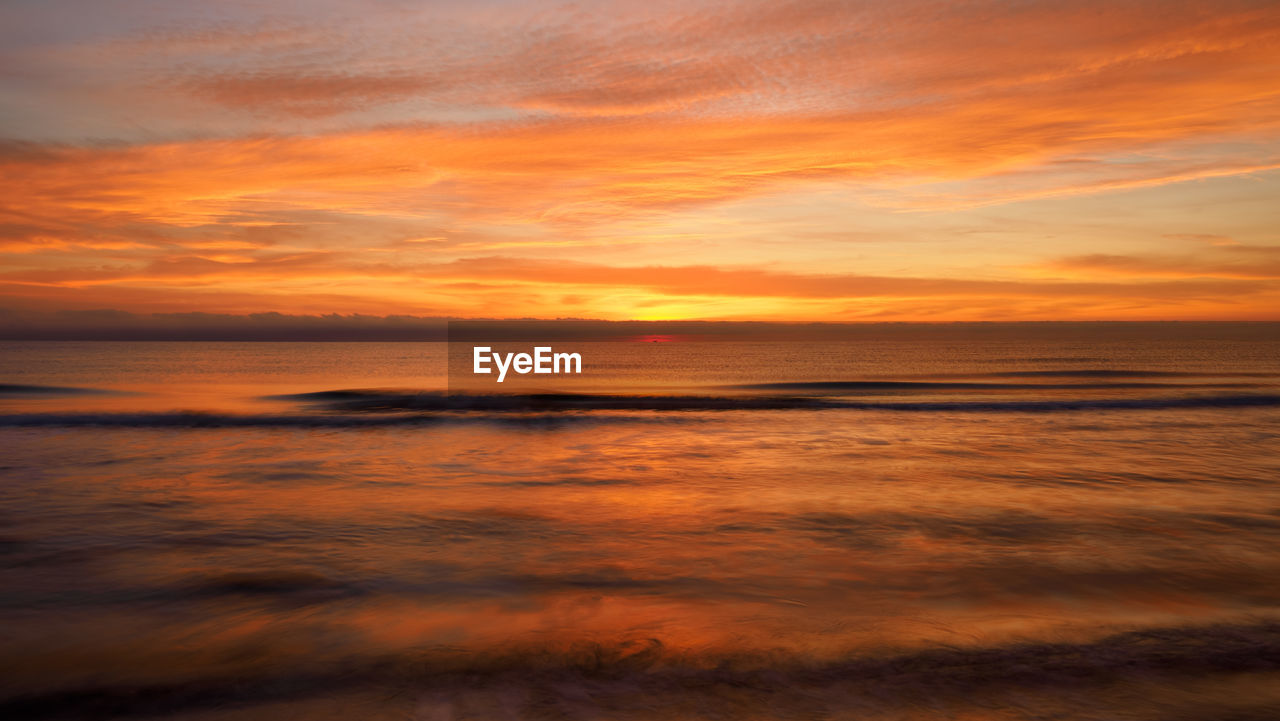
(816, 160)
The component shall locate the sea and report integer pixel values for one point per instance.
(898, 521)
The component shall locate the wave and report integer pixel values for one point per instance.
(199, 420)
(427, 409)
(10, 390)
(970, 386)
(373, 400)
(379, 401)
(588, 678)
(203, 420)
(1049, 359)
(1081, 404)
(1126, 373)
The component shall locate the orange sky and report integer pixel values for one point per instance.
(774, 160)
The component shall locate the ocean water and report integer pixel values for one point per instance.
(1074, 522)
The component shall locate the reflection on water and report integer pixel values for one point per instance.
(972, 560)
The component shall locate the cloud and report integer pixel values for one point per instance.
(110, 324)
(1210, 238)
(581, 173)
(802, 56)
(751, 282)
(286, 159)
(1230, 261)
(496, 286)
(307, 94)
(654, 107)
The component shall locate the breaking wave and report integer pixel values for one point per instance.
(17, 390)
(852, 386)
(356, 409)
(1125, 373)
(584, 679)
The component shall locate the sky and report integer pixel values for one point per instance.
(740, 159)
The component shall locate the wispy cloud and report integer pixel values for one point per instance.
(308, 94)
(254, 150)
(1230, 261)
(486, 285)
